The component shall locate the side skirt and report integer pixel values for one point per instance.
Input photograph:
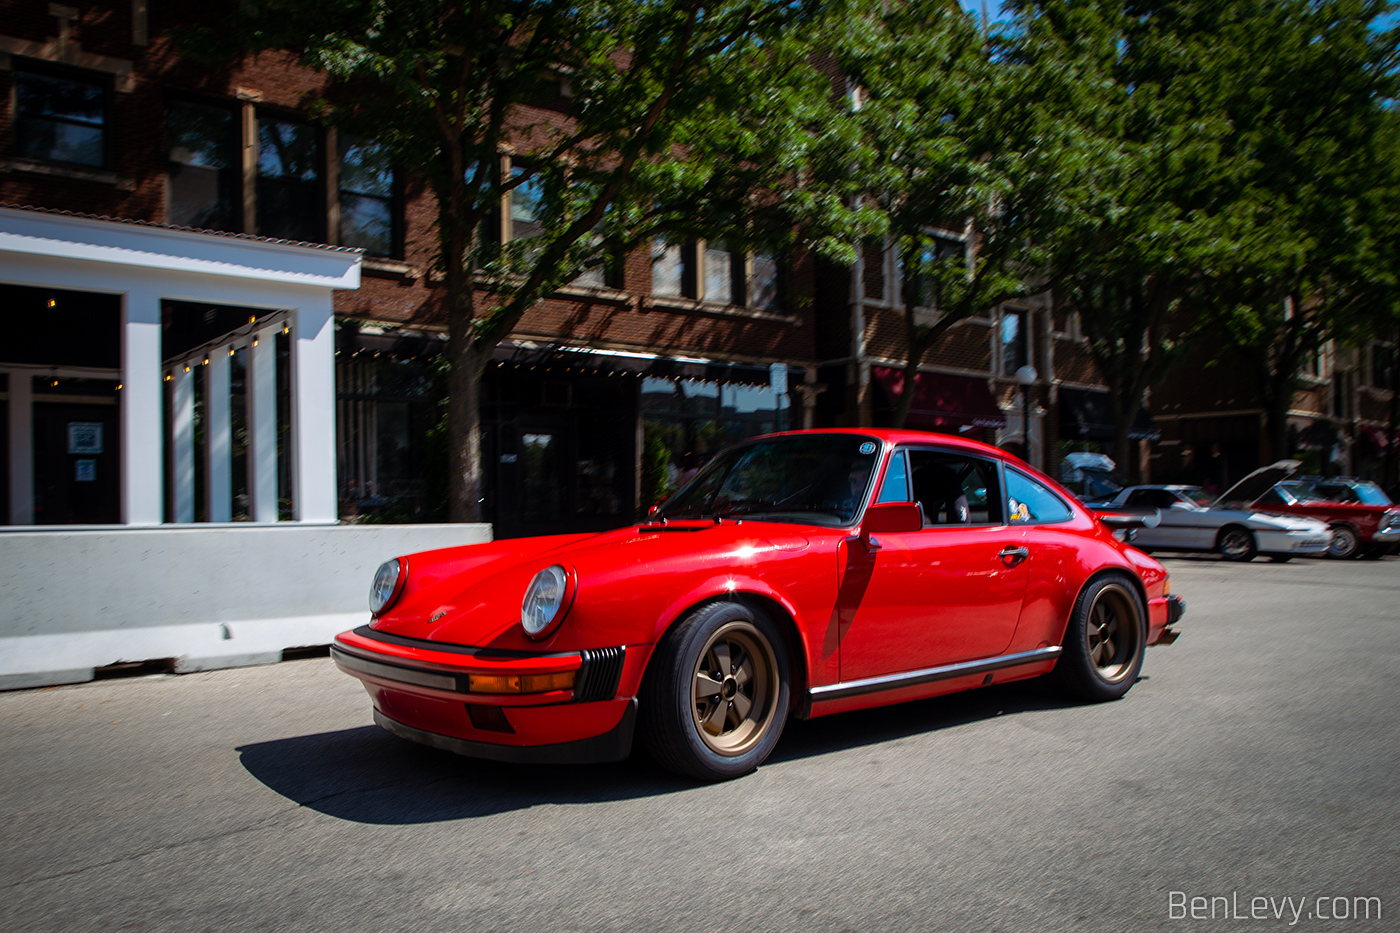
(851, 688)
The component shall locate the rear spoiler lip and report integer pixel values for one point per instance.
(1129, 518)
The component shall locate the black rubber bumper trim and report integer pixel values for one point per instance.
(613, 745)
(1176, 608)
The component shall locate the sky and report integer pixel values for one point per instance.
(994, 11)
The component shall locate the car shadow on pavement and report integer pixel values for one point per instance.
(366, 775)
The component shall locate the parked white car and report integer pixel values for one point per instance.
(1194, 520)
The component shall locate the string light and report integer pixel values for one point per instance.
(230, 351)
(206, 361)
(53, 303)
(119, 386)
(187, 367)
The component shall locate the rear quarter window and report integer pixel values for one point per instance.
(1031, 503)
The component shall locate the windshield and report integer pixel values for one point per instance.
(816, 478)
(1371, 494)
(1198, 495)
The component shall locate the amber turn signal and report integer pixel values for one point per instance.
(519, 683)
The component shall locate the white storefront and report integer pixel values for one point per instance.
(287, 289)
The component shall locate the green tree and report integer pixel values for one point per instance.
(628, 120)
(950, 165)
(1214, 158)
(1309, 104)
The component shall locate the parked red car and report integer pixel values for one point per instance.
(797, 574)
(1365, 523)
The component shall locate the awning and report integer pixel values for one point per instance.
(942, 402)
(1087, 415)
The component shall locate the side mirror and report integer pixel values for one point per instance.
(656, 507)
(889, 518)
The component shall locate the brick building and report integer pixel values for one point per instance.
(967, 383)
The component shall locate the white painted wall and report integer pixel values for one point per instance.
(209, 596)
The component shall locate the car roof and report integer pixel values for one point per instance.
(909, 436)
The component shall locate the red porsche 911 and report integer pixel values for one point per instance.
(797, 574)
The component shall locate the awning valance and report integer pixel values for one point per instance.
(1086, 414)
(942, 402)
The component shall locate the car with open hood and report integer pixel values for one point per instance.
(1364, 522)
(798, 574)
(1192, 519)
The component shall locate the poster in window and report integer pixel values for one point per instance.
(85, 471)
(85, 437)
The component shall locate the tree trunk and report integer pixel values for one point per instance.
(466, 488)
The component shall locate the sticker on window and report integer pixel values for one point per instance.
(867, 448)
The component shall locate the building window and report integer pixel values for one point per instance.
(721, 269)
(290, 206)
(61, 116)
(765, 283)
(203, 176)
(711, 271)
(1015, 341)
(366, 197)
(1383, 366)
(526, 206)
(936, 250)
(671, 269)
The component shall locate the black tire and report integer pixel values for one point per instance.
(1104, 641)
(1236, 543)
(716, 694)
(1346, 543)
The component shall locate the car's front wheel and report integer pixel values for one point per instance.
(715, 696)
(1104, 642)
(1236, 543)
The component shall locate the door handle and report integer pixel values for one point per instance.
(1014, 555)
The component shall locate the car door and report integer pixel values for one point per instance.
(949, 592)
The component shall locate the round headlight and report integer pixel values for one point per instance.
(386, 585)
(544, 601)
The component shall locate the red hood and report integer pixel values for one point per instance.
(471, 595)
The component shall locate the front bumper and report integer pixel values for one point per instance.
(1289, 542)
(613, 745)
(421, 690)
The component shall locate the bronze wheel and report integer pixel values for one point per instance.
(715, 695)
(1104, 641)
(1113, 633)
(732, 689)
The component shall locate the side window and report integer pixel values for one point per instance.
(1146, 498)
(896, 487)
(954, 489)
(1031, 503)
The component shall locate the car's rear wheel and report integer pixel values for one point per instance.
(1236, 543)
(1346, 544)
(1104, 642)
(715, 696)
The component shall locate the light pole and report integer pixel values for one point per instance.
(1025, 378)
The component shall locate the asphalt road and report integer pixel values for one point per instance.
(1259, 757)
